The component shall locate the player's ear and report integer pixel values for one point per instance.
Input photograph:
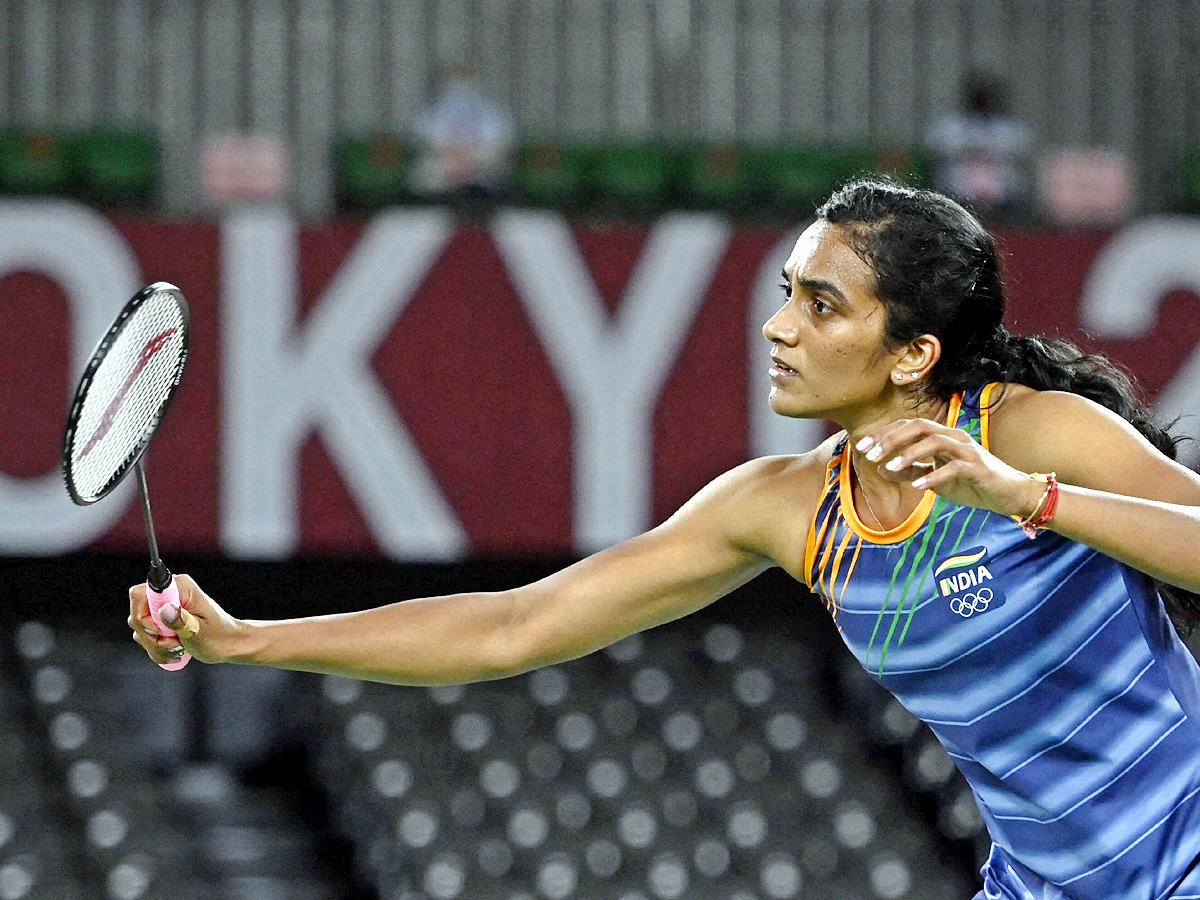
(919, 356)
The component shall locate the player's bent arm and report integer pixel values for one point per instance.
(707, 549)
(1118, 493)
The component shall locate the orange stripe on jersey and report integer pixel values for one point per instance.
(837, 565)
(814, 534)
(820, 542)
(853, 562)
(827, 542)
(985, 402)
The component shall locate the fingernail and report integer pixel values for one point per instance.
(169, 613)
(875, 453)
(894, 463)
(152, 631)
(919, 483)
(864, 445)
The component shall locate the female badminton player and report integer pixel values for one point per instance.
(1003, 537)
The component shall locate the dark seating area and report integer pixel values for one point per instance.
(698, 760)
(39, 853)
(674, 764)
(100, 802)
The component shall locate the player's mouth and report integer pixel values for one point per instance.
(781, 370)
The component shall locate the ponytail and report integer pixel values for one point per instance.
(1052, 364)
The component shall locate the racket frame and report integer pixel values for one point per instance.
(98, 355)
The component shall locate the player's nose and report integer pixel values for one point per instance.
(778, 329)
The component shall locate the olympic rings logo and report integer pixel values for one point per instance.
(969, 604)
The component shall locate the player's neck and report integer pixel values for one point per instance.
(892, 500)
(900, 405)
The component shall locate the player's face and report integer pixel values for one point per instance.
(827, 340)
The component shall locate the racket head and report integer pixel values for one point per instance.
(125, 391)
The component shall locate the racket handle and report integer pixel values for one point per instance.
(157, 601)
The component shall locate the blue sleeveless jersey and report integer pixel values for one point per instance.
(1050, 673)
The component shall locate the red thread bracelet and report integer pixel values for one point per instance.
(1044, 511)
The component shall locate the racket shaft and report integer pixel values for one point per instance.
(157, 601)
(147, 516)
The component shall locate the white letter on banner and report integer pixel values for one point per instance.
(281, 382)
(96, 269)
(611, 370)
(770, 433)
(1121, 297)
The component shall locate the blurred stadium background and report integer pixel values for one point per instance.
(406, 380)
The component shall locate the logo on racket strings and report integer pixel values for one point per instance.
(153, 346)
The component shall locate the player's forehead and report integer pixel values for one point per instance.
(822, 254)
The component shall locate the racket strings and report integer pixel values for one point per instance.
(127, 394)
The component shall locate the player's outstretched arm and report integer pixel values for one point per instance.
(715, 543)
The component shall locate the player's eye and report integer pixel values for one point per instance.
(820, 305)
(787, 289)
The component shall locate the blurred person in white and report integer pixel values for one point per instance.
(465, 140)
(983, 157)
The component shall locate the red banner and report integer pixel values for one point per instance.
(426, 389)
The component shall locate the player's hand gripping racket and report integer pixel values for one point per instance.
(123, 394)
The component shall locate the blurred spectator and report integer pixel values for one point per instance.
(465, 141)
(982, 156)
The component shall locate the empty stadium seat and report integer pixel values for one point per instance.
(33, 161)
(115, 166)
(372, 171)
(554, 174)
(1189, 180)
(633, 177)
(719, 175)
(801, 177)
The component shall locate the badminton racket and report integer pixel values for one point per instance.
(121, 399)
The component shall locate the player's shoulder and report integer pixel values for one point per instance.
(772, 472)
(767, 503)
(762, 482)
(1034, 429)
(1010, 399)
(1018, 408)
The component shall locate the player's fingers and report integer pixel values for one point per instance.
(941, 475)
(182, 622)
(160, 650)
(172, 654)
(139, 611)
(902, 433)
(882, 444)
(921, 455)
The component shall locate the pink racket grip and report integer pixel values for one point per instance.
(157, 601)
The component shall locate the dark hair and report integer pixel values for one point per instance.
(936, 272)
